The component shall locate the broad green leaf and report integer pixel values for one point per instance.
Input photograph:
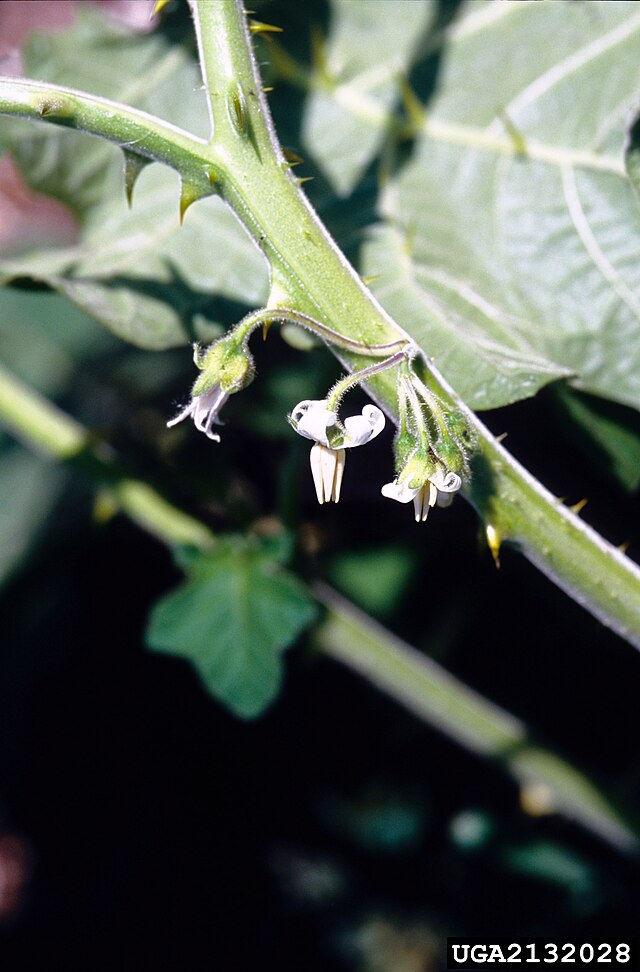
(139, 272)
(519, 224)
(476, 344)
(370, 45)
(232, 618)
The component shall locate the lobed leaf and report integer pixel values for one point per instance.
(232, 619)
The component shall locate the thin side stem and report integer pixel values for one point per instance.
(130, 129)
(45, 429)
(357, 377)
(285, 315)
(440, 699)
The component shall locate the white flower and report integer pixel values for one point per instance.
(439, 489)
(313, 420)
(204, 409)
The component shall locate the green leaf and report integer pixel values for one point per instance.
(479, 347)
(512, 232)
(139, 272)
(371, 43)
(232, 618)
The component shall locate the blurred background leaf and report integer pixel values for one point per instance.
(354, 93)
(502, 252)
(139, 272)
(232, 619)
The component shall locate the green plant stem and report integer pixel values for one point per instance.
(245, 164)
(440, 699)
(132, 130)
(346, 634)
(285, 315)
(45, 429)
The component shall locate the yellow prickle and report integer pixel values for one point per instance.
(292, 157)
(257, 27)
(188, 195)
(369, 280)
(158, 6)
(494, 542)
(517, 138)
(578, 506)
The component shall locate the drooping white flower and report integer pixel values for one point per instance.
(204, 409)
(313, 420)
(438, 488)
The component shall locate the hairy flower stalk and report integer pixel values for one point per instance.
(227, 365)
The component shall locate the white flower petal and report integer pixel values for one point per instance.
(311, 419)
(399, 491)
(445, 499)
(185, 413)
(446, 482)
(362, 428)
(204, 409)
